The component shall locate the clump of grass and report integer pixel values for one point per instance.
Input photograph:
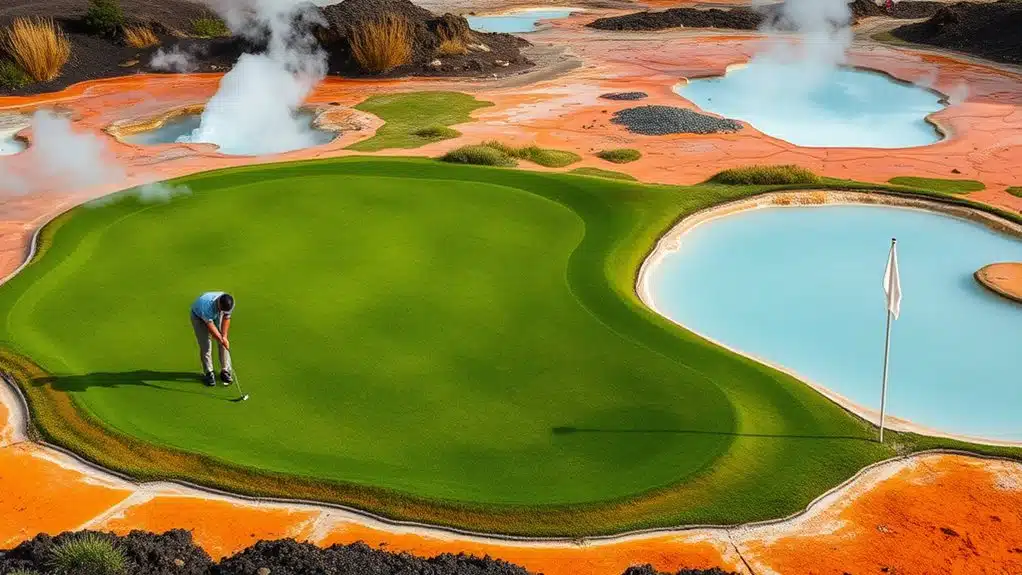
(620, 155)
(88, 554)
(38, 46)
(104, 17)
(381, 45)
(210, 27)
(450, 45)
(22, 572)
(939, 184)
(1015, 191)
(765, 176)
(479, 155)
(12, 76)
(436, 133)
(141, 36)
(597, 172)
(543, 156)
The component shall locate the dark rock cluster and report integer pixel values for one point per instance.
(663, 120)
(628, 96)
(988, 30)
(174, 553)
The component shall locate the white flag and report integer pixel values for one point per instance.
(892, 283)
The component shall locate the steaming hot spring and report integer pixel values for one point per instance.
(821, 106)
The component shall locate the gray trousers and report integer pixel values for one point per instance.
(205, 341)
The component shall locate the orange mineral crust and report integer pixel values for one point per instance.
(1004, 278)
(946, 514)
(666, 553)
(37, 495)
(220, 527)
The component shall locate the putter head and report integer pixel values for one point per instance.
(240, 399)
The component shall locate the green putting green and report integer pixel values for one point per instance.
(455, 344)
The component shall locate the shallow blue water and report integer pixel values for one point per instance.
(801, 287)
(516, 22)
(829, 107)
(10, 146)
(183, 126)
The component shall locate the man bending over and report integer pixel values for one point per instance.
(211, 317)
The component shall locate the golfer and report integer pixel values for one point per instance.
(211, 318)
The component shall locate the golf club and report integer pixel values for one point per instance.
(242, 396)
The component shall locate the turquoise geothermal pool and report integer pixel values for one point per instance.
(801, 287)
(518, 22)
(830, 107)
(180, 128)
(10, 145)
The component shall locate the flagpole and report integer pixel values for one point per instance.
(887, 354)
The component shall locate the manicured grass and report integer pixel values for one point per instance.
(1015, 191)
(939, 185)
(453, 344)
(603, 174)
(765, 176)
(407, 115)
(619, 155)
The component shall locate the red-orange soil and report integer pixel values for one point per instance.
(1004, 278)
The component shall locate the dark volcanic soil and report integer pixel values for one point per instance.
(174, 553)
(95, 57)
(742, 18)
(992, 31)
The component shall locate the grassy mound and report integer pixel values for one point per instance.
(451, 344)
(479, 155)
(1015, 191)
(620, 155)
(416, 118)
(597, 172)
(765, 176)
(939, 185)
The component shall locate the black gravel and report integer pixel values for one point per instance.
(174, 553)
(989, 30)
(624, 96)
(735, 18)
(663, 120)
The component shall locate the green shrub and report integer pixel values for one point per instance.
(104, 17)
(620, 155)
(22, 572)
(479, 156)
(597, 172)
(1015, 191)
(939, 185)
(210, 27)
(543, 156)
(765, 176)
(87, 554)
(436, 133)
(12, 76)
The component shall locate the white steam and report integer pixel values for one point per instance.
(60, 159)
(255, 110)
(176, 60)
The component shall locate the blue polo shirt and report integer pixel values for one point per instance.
(205, 307)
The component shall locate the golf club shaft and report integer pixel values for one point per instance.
(237, 382)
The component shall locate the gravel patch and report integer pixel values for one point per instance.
(663, 120)
(624, 96)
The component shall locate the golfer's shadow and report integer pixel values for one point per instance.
(140, 377)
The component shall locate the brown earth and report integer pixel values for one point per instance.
(1002, 278)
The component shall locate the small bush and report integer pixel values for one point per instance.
(479, 156)
(12, 76)
(543, 156)
(939, 185)
(765, 176)
(140, 36)
(37, 46)
(381, 45)
(1015, 191)
(598, 173)
(620, 155)
(88, 554)
(104, 17)
(210, 27)
(436, 133)
(450, 46)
